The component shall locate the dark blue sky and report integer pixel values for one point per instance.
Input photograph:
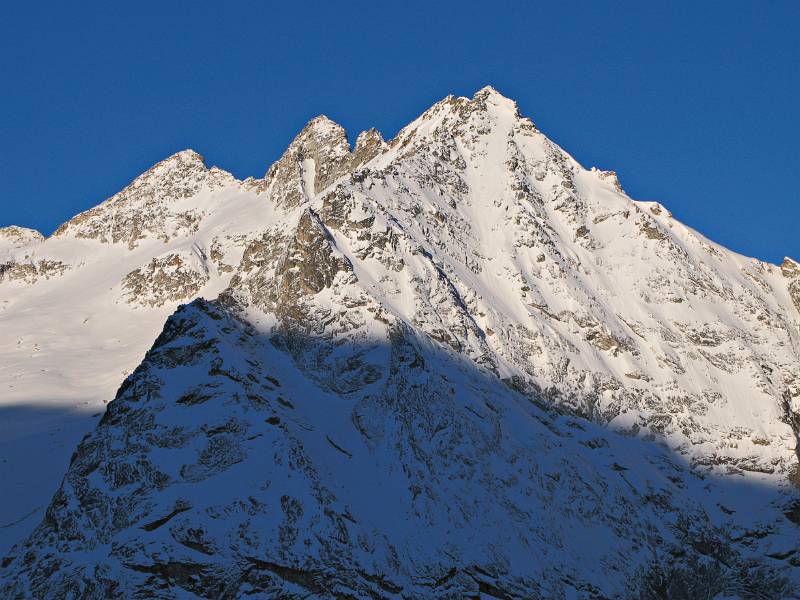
(694, 104)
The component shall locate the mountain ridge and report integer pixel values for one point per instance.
(479, 238)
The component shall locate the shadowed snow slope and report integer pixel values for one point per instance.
(453, 364)
(224, 467)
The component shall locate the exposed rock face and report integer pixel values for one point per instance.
(31, 272)
(290, 269)
(368, 145)
(317, 157)
(791, 270)
(310, 263)
(169, 278)
(454, 365)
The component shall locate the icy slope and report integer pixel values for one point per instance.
(485, 246)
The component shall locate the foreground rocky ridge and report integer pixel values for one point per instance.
(441, 302)
(220, 471)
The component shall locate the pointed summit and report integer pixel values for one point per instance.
(184, 159)
(317, 156)
(487, 91)
(368, 145)
(369, 136)
(322, 124)
(187, 155)
(321, 134)
(488, 95)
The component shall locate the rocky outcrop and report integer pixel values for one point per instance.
(31, 271)
(310, 263)
(170, 278)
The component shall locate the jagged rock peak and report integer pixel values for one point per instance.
(367, 138)
(322, 133)
(319, 155)
(486, 110)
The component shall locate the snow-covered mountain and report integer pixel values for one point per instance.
(457, 364)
